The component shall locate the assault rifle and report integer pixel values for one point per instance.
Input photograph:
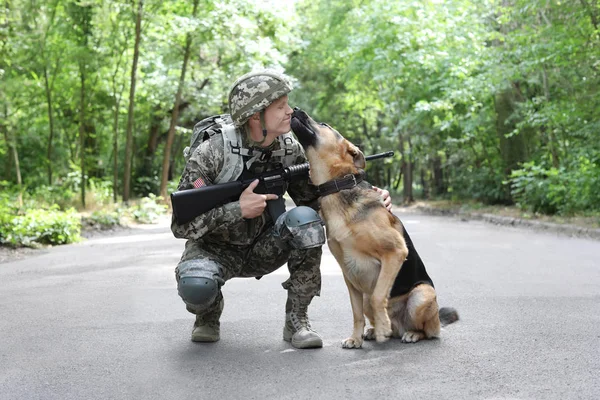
(188, 204)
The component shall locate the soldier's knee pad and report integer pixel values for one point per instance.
(200, 292)
(198, 284)
(301, 228)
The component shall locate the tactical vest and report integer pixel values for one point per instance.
(233, 160)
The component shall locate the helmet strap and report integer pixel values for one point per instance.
(262, 124)
(264, 129)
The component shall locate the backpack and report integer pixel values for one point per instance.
(233, 163)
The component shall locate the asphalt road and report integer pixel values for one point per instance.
(102, 320)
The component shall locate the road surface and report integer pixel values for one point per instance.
(102, 320)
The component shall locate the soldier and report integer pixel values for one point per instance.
(242, 239)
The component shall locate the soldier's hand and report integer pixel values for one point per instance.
(385, 196)
(253, 204)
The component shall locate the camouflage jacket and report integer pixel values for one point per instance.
(225, 224)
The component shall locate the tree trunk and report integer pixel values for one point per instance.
(424, 182)
(129, 140)
(117, 95)
(153, 139)
(116, 149)
(407, 171)
(177, 149)
(82, 130)
(408, 182)
(49, 159)
(167, 151)
(398, 180)
(48, 88)
(513, 149)
(439, 187)
(550, 139)
(13, 146)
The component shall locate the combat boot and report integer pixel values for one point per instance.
(297, 329)
(207, 325)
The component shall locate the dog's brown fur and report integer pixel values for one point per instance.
(367, 242)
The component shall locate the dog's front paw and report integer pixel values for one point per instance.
(352, 343)
(412, 337)
(369, 334)
(383, 333)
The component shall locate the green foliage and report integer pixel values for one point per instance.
(480, 184)
(98, 193)
(49, 49)
(41, 222)
(146, 185)
(557, 190)
(50, 227)
(470, 94)
(484, 86)
(537, 189)
(148, 210)
(105, 218)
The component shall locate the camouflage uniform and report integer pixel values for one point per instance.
(245, 248)
(222, 245)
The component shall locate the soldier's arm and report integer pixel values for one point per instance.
(201, 169)
(302, 191)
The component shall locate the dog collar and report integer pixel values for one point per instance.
(347, 182)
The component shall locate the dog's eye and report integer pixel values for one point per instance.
(323, 124)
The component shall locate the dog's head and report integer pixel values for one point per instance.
(329, 154)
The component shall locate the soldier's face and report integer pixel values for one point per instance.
(278, 116)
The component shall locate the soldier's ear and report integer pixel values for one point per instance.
(254, 119)
(357, 156)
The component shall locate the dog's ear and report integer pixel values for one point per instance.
(357, 156)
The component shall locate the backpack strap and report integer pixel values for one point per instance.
(288, 151)
(233, 162)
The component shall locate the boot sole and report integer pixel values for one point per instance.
(204, 339)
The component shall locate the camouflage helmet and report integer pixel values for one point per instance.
(300, 228)
(254, 92)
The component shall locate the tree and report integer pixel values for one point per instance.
(174, 116)
(129, 140)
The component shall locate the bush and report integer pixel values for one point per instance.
(557, 190)
(148, 210)
(481, 184)
(103, 218)
(39, 226)
(41, 220)
(146, 185)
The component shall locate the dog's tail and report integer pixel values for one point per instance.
(448, 315)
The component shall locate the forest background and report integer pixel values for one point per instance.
(487, 101)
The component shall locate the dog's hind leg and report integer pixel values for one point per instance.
(390, 266)
(356, 300)
(423, 320)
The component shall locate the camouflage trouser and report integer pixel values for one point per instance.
(264, 256)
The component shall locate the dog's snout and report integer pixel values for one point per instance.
(298, 113)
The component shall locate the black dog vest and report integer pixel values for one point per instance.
(412, 272)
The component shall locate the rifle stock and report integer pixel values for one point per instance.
(188, 204)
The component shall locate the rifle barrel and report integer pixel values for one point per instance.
(379, 155)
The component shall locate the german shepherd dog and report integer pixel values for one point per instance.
(384, 274)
